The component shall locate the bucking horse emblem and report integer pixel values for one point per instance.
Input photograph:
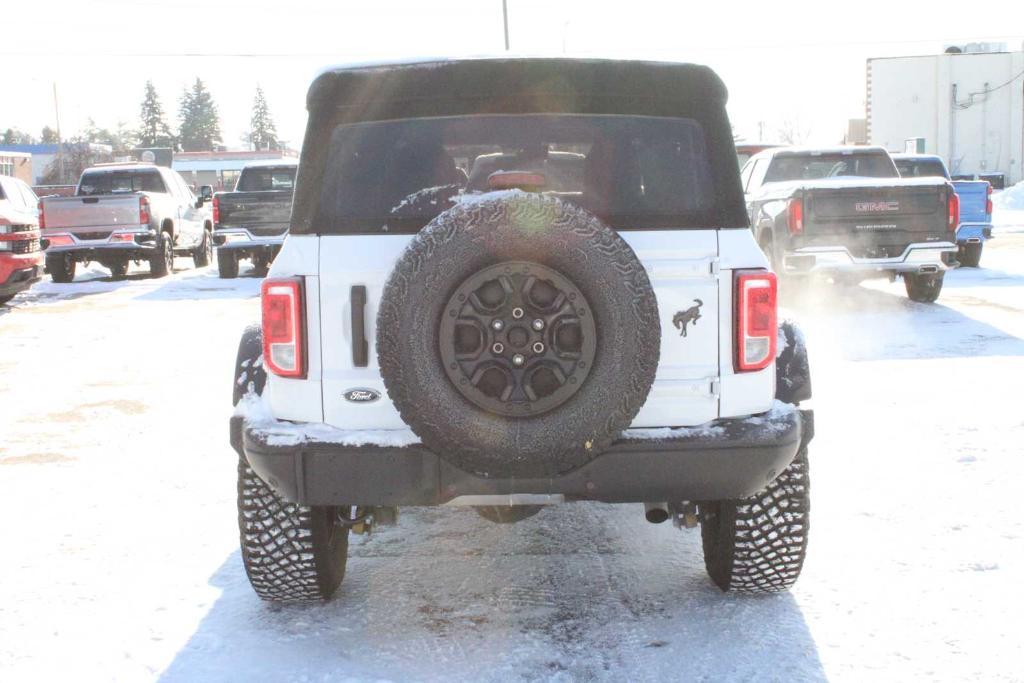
(684, 318)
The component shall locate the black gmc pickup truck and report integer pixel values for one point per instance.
(252, 221)
(846, 213)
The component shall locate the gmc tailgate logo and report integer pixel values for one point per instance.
(876, 207)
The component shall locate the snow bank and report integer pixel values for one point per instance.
(256, 411)
(1008, 209)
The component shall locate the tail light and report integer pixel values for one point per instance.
(216, 209)
(954, 211)
(143, 210)
(42, 216)
(756, 293)
(283, 327)
(988, 201)
(795, 215)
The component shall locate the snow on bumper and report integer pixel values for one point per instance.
(919, 257)
(316, 464)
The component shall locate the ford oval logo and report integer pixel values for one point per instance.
(361, 395)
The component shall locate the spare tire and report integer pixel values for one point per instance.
(518, 335)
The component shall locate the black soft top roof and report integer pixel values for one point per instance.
(512, 85)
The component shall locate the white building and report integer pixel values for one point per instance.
(968, 108)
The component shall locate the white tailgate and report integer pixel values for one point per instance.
(682, 266)
(106, 211)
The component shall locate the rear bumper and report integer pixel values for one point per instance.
(727, 459)
(142, 245)
(18, 273)
(239, 238)
(919, 257)
(973, 233)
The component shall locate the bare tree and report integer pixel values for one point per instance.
(793, 132)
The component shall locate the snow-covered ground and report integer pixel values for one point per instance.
(119, 555)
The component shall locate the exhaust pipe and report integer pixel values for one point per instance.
(926, 270)
(656, 513)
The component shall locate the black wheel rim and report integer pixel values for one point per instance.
(518, 339)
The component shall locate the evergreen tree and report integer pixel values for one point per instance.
(154, 131)
(200, 124)
(13, 136)
(48, 136)
(262, 133)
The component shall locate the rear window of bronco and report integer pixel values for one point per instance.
(634, 172)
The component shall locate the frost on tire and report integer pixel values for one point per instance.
(758, 545)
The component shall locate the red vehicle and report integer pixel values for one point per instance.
(21, 261)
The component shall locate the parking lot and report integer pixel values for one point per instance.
(121, 545)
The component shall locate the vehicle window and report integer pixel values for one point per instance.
(746, 174)
(183, 189)
(632, 171)
(263, 179)
(3, 194)
(816, 166)
(31, 200)
(116, 182)
(921, 168)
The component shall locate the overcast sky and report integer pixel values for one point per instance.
(797, 61)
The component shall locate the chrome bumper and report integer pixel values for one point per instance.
(919, 257)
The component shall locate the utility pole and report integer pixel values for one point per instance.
(60, 140)
(504, 16)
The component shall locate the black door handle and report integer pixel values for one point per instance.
(360, 347)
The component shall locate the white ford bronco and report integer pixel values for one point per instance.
(512, 283)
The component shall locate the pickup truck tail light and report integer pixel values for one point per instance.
(756, 308)
(795, 213)
(42, 216)
(988, 201)
(954, 211)
(143, 210)
(284, 343)
(216, 209)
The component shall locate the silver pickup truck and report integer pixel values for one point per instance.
(122, 213)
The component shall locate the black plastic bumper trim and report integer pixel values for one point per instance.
(735, 460)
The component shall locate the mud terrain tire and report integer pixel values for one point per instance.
(758, 545)
(520, 228)
(227, 264)
(291, 553)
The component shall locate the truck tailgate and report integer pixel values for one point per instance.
(101, 211)
(262, 213)
(876, 222)
(974, 196)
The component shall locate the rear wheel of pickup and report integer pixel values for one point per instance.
(203, 255)
(227, 264)
(291, 552)
(923, 287)
(61, 267)
(162, 262)
(518, 336)
(261, 265)
(758, 544)
(969, 255)
(118, 269)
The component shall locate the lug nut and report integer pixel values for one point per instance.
(517, 313)
(518, 359)
(538, 324)
(498, 347)
(538, 347)
(497, 325)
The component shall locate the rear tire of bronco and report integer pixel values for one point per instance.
(563, 325)
(227, 264)
(61, 268)
(291, 552)
(203, 255)
(923, 287)
(758, 545)
(162, 262)
(969, 254)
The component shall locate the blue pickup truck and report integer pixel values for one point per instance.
(975, 203)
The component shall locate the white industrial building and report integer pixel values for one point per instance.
(966, 106)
